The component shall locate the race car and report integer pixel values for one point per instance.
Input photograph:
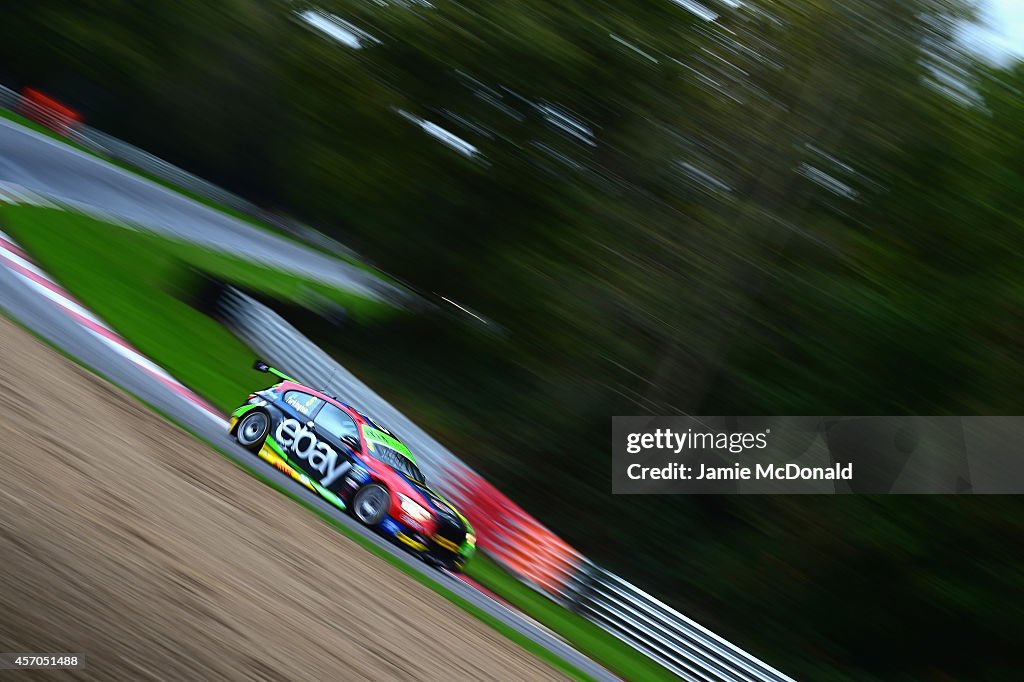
(354, 463)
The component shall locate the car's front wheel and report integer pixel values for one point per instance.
(252, 430)
(370, 505)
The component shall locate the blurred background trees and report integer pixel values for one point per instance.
(718, 208)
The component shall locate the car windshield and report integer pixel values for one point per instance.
(397, 461)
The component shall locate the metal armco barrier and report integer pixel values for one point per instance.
(505, 532)
(686, 648)
(49, 112)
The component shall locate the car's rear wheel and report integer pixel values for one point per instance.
(252, 430)
(370, 505)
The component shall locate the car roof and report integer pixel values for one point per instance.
(326, 397)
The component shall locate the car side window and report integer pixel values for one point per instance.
(335, 422)
(302, 402)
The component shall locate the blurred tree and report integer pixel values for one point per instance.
(765, 207)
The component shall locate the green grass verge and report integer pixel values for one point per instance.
(587, 638)
(130, 280)
(424, 579)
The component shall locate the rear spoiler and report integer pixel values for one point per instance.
(261, 366)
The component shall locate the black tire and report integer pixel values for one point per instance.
(252, 430)
(370, 504)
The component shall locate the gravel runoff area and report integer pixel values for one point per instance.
(126, 539)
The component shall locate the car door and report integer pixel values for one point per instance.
(337, 438)
(292, 426)
(338, 428)
(315, 441)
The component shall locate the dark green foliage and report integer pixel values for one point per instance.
(800, 208)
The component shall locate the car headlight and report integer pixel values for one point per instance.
(414, 509)
(470, 539)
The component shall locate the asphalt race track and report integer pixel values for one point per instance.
(49, 167)
(54, 169)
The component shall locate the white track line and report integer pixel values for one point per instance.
(16, 260)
